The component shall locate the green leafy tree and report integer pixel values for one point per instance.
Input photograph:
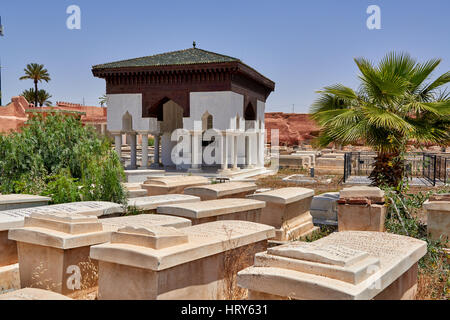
(37, 73)
(56, 155)
(395, 104)
(102, 100)
(43, 97)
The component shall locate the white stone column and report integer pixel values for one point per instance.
(234, 148)
(133, 153)
(118, 144)
(144, 144)
(156, 151)
(224, 164)
(249, 149)
(196, 150)
(260, 149)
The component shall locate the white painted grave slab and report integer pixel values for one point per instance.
(167, 263)
(222, 190)
(345, 265)
(18, 201)
(153, 202)
(15, 218)
(212, 210)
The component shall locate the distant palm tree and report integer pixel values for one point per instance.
(394, 105)
(102, 100)
(37, 73)
(29, 94)
(43, 97)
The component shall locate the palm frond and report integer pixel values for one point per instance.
(382, 118)
(422, 72)
(340, 91)
(440, 81)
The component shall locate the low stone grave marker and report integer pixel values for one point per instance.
(361, 209)
(438, 216)
(303, 179)
(324, 208)
(33, 294)
(145, 220)
(171, 184)
(287, 210)
(222, 190)
(349, 265)
(53, 251)
(214, 210)
(18, 201)
(135, 190)
(438, 219)
(149, 204)
(9, 269)
(56, 246)
(197, 262)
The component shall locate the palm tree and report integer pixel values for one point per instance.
(102, 100)
(43, 97)
(29, 94)
(396, 104)
(37, 73)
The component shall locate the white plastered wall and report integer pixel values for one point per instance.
(119, 105)
(222, 105)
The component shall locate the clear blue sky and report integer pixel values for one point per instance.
(301, 45)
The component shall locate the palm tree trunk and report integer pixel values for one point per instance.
(35, 93)
(389, 169)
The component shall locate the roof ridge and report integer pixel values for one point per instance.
(217, 54)
(167, 54)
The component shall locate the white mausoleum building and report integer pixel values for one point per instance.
(215, 102)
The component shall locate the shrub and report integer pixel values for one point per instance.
(56, 155)
(434, 269)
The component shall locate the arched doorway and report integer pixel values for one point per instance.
(170, 118)
(127, 128)
(250, 112)
(250, 137)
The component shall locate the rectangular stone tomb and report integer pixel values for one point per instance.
(324, 208)
(287, 210)
(15, 219)
(64, 240)
(149, 204)
(18, 201)
(166, 263)
(438, 217)
(53, 251)
(9, 269)
(144, 221)
(32, 294)
(214, 210)
(134, 190)
(294, 161)
(374, 194)
(222, 190)
(361, 209)
(350, 265)
(171, 184)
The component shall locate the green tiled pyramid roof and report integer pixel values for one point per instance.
(181, 57)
